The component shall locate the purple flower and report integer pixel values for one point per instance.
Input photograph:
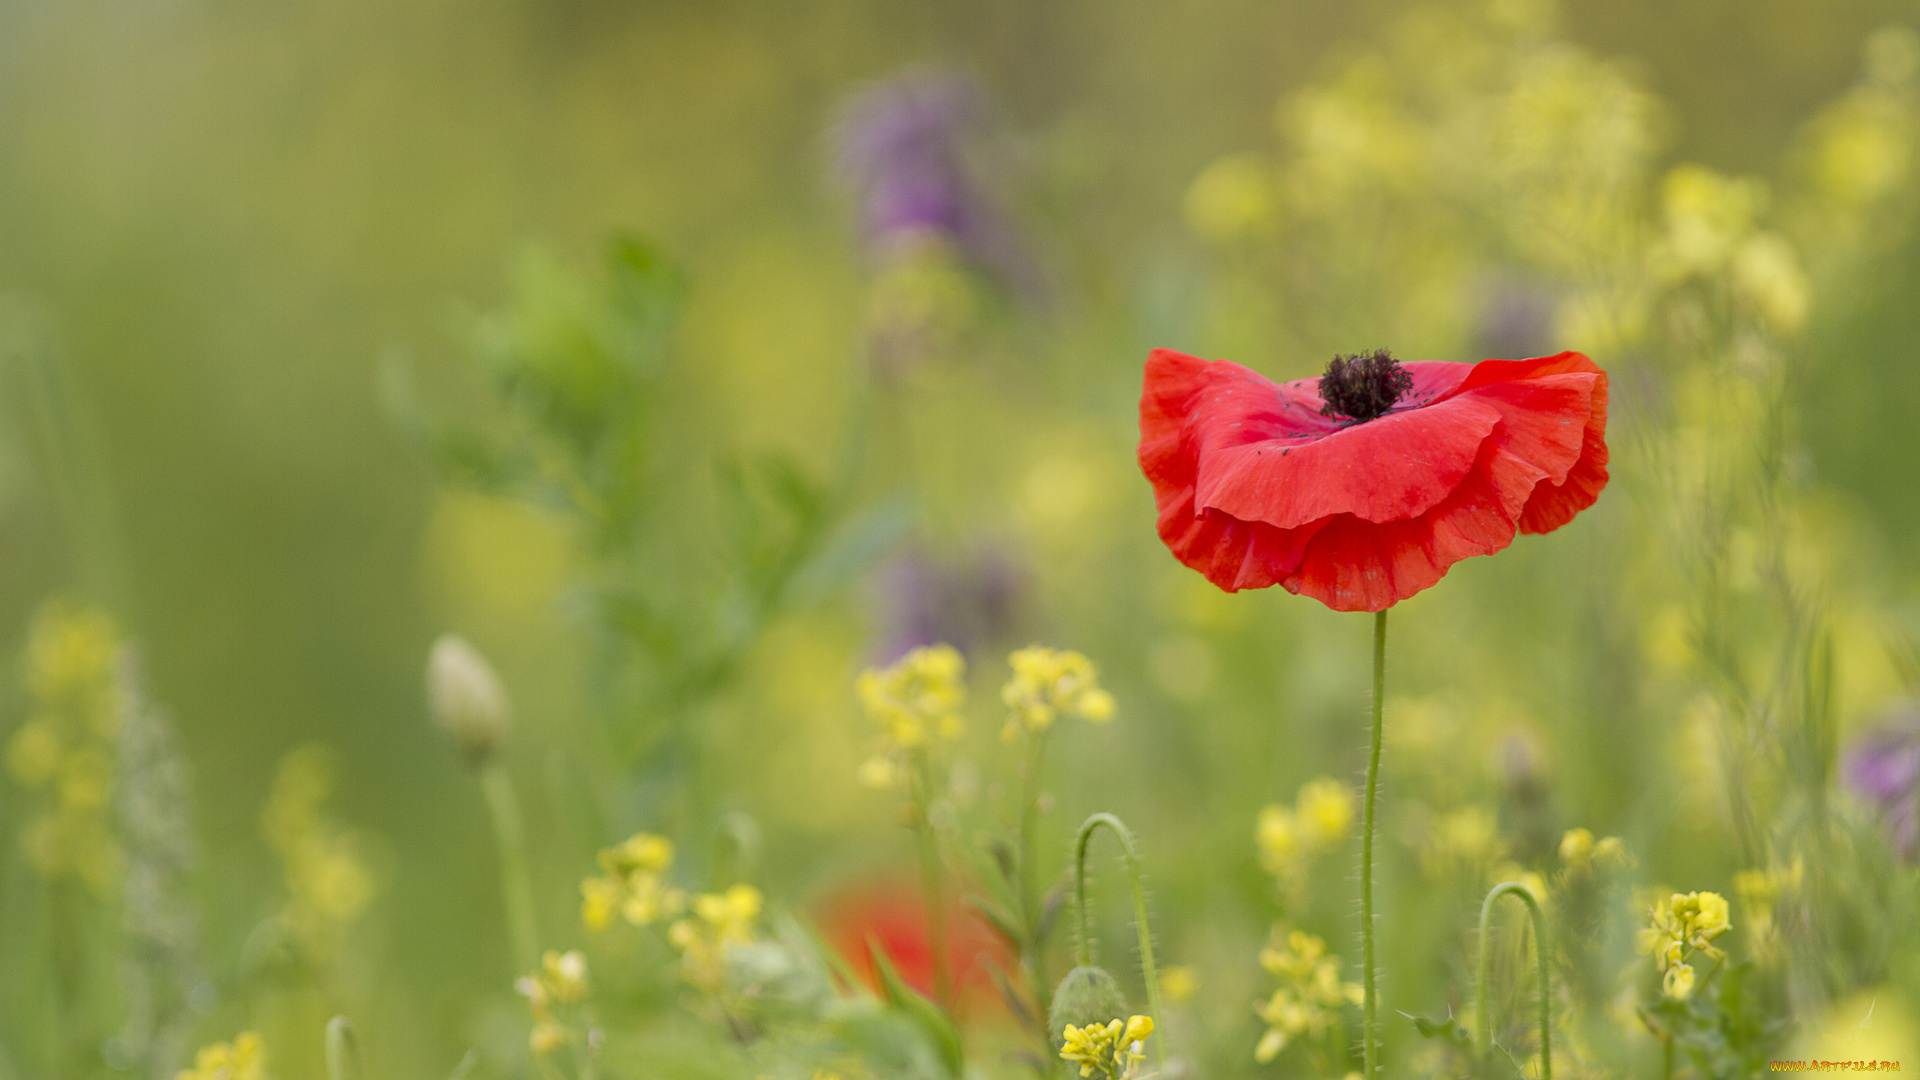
(1516, 317)
(1883, 767)
(903, 147)
(965, 602)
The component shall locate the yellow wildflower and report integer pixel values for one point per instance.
(1276, 833)
(66, 752)
(1310, 991)
(719, 920)
(1759, 892)
(1685, 924)
(242, 1059)
(1111, 1051)
(632, 885)
(561, 980)
(1467, 837)
(1580, 852)
(1047, 683)
(1179, 983)
(1326, 810)
(1286, 837)
(919, 696)
(328, 883)
(914, 701)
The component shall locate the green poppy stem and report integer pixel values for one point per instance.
(1483, 1022)
(1147, 971)
(516, 880)
(1369, 1031)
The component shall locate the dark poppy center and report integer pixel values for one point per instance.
(1363, 387)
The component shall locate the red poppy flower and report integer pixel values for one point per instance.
(894, 914)
(1363, 487)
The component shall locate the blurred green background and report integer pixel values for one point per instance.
(219, 221)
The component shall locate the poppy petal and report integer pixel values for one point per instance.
(1388, 469)
(1555, 503)
(1355, 565)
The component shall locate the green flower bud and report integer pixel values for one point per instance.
(469, 705)
(1088, 995)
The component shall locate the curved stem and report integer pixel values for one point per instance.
(1483, 1022)
(343, 1051)
(1369, 1032)
(516, 881)
(1147, 971)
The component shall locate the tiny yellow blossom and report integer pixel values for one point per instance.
(328, 883)
(914, 701)
(35, 751)
(1276, 834)
(546, 1037)
(1576, 847)
(1179, 984)
(1047, 683)
(561, 981)
(1110, 1051)
(633, 885)
(66, 751)
(242, 1059)
(1685, 924)
(1580, 852)
(1326, 811)
(565, 974)
(919, 696)
(719, 920)
(1310, 991)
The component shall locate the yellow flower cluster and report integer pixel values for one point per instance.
(718, 921)
(1580, 852)
(328, 884)
(242, 1059)
(1111, 1051)
(1759, 891)
(561, 980)
(1320, 819)
(1464, 838)
(1051, 682)
(66, 751)
(1310, 991)
(633, 885)
(1685, 924)
(919, 697)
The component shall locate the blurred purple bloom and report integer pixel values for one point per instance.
(965, 602)
(1516, 318)
(902, 145)
(1883, 767)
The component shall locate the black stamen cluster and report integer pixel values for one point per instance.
(1363, 387)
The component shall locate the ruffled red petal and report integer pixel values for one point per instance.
(1255, 487)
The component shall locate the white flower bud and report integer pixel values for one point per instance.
(469, 705)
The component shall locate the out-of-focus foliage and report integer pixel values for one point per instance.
(816, 353)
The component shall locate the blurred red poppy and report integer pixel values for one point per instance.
(1364, 486)
(894, 914)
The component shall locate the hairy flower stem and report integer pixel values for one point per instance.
(1035, 949)
(1369, 1030)
(343, 1051)
(929, 844)
(1483, 1005)
(1147, 972)
(516, 882)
